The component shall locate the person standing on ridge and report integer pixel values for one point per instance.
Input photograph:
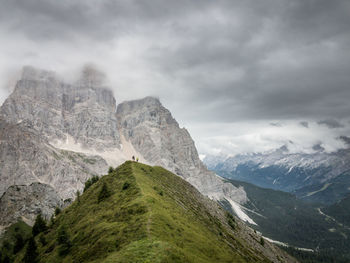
(137, 159)
(133, 158)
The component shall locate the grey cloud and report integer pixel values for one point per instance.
(318, 147)
(276, 124)
(345, 139)
(224, 61)
(304, 124)
(331, 123)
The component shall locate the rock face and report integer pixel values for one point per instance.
(26, 157)
(27, 201)
(46, 119)
(156, 135)
(84, 111)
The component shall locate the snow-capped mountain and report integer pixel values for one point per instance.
(291, 172)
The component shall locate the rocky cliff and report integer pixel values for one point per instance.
(83, 111)
(60, 134)
(26, 201)
(27, 157)
(157, 136)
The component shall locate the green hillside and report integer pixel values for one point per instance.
(139, 213)
(340, 211)
(281, 216)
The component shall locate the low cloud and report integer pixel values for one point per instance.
(304, 124)
(331, 123)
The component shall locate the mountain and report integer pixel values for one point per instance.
(83, 112)
(149, 215)
(61, 134)
(26, 157)
(306, 175)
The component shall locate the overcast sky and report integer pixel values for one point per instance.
(241, 76)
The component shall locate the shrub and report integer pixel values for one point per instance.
(64, 241)
(42, 240)
(31, 252)
(78, 196)
(6, 259)
(126, 185)
(104, 193)
(90, 182)
(19, 243)
(57, 211)
(110, 170)
(262, 241)
(39, 225)
(231, 224)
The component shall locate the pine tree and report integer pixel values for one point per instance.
(57, 211)
(6, 259)
(31, 252)
(104, 193)
(63, 241)
(78, 196)
(39, 225)
(262, 241)
(19, 243)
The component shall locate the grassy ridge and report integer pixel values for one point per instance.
(149, 215)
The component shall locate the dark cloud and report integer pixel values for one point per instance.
(304, 124)
(345, 139)
(219, 61)
(318, 147)
(331, 123)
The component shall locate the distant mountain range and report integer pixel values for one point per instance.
(298, 199)
(318, 177)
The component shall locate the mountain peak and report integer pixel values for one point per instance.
(33, 73)
(91, 76)
(135, 105)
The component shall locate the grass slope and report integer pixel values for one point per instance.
(150, 215)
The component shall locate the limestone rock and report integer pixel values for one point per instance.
(26, 157)
(85, 110)
(156, 135)
(27, 201)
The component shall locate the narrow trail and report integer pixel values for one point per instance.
(149, 219)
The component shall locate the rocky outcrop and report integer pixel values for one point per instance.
(27, 157)
(157, 136)
(27, 201)
(84, 111)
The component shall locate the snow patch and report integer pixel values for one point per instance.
(286, 245)
(114, 157)
(239, 212)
